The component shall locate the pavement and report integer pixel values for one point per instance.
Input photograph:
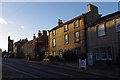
(112, 71)
(107, 70)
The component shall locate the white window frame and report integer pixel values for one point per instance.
(75, 23)
(66, 41)
(117, 24)
(101, 30)
(53, 32)
(108, 55)
(54, 42)
(76, 36)
(97, 54)
(101, 53)
(66, 28)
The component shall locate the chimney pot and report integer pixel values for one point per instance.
(39, 33)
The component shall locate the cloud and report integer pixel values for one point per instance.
(3, 21)
(22, 27)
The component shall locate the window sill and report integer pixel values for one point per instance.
(97, 59)
(101, 36)
(109, 58)
(66, 31)
(53, 46)
(76, 27)
(66, 44)
(117, 31)
(77, 41)
(104, 59)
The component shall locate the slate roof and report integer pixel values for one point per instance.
(106, 18)
(68, 21)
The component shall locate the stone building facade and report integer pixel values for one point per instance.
(71, 35)
(39, 44)
(18, 45)
(103, 38)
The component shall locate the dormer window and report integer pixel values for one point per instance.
(54, 33)
(66, 28)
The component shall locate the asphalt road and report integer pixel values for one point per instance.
(15, 68)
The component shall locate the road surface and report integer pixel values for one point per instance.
(15, 68)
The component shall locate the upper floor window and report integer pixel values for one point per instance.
(53, 32)
(66, 39)
(76, 24)
(66, 28)
(101, 30)
(53, 42)
(117, 24)
(77, 36)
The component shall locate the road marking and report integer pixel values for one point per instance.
(33, 76)
(60, 73)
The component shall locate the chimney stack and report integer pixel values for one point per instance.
(8, 38)
(59, 22)
(92, 8)
(34, 36)
(39, 33)
(44, 33)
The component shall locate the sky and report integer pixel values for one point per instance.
(20, 20)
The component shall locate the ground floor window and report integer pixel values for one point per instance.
(103, 53)
(76, 51)
(109, 53)
(53, 53)
(60, 53)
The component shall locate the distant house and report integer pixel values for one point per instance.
(103, 38)
(32, 48)
(5, 54)
(18, 45)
